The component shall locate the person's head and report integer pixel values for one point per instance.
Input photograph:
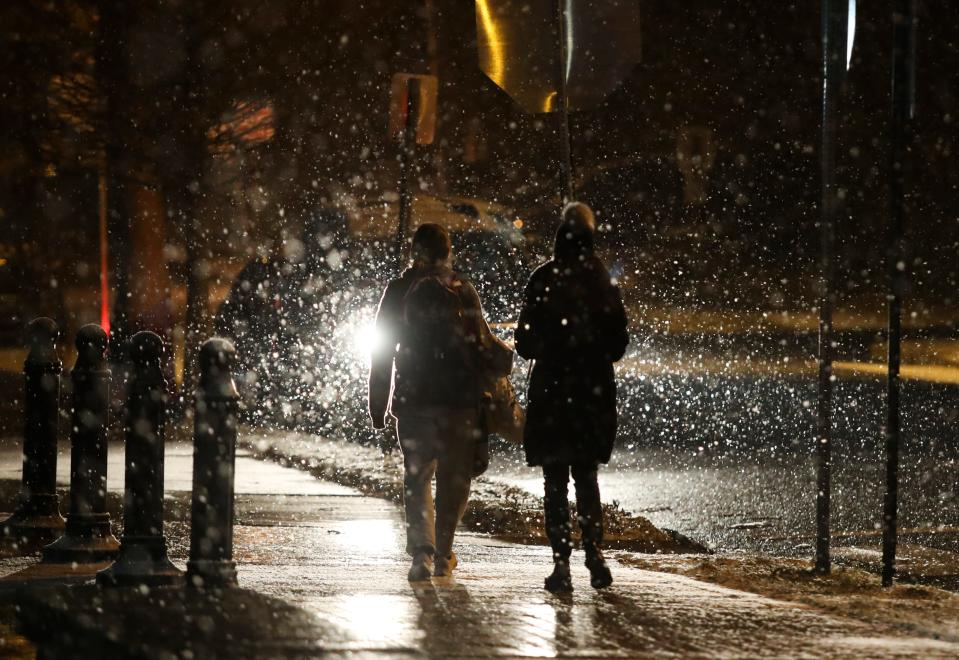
(431, 245)
(574, 237)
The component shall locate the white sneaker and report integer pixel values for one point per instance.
(421, 567)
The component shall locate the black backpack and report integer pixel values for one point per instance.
(437, 356)
(434, 316)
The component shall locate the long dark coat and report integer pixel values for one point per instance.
(573, 325)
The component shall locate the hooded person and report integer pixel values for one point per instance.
(425, 374)
(573, 325)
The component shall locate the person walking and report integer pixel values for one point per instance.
(573, 325)
(425, 372)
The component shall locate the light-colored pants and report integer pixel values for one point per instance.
(439, 442)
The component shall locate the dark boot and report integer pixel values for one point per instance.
(559, 580)
(558, 528)
(589, 511)
(599, 575)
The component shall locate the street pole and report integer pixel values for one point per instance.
(407, 150)
(102, 209)
(902, 111)
(438, 156)
(120, 156)
(833, 61)
(566, 157)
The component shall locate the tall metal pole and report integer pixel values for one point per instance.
(407, 150)
(566, 157)
(902, 111)
(433, 64)
(102, 200)
(113, 75)
(833, 60)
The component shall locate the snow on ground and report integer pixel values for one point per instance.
(495, 508)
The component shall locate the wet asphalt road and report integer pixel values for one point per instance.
(741, 503)
(716, 441)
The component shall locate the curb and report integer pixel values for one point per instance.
(502, 511)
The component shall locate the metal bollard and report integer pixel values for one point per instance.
(143, 555)
(88, 537)
(214, 454)
(37, 518)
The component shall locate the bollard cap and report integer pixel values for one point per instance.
(146, 347)
(148, 386)
(42, 334)
(42, 329)
(217, 359)
(92, 343)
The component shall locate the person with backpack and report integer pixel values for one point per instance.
(426, 373)
(573, 325)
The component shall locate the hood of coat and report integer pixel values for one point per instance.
(441, 271)
(575, 236)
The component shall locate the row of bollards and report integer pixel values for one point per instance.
(86, 536)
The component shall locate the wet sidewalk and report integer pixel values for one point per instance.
(349, 570)
(322, 571)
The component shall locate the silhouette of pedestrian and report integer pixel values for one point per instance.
(430, 323)
(573, 325)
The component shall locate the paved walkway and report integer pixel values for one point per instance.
(338, 557)
(346, 565)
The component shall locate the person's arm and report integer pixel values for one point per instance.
(495, 354)
(381, 362)
(614, 323)
(528, 339)
(473, 310)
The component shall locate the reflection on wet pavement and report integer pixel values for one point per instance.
(350, 571)
(375, 621)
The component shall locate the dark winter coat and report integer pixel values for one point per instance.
(573, 325)
(400, 381)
